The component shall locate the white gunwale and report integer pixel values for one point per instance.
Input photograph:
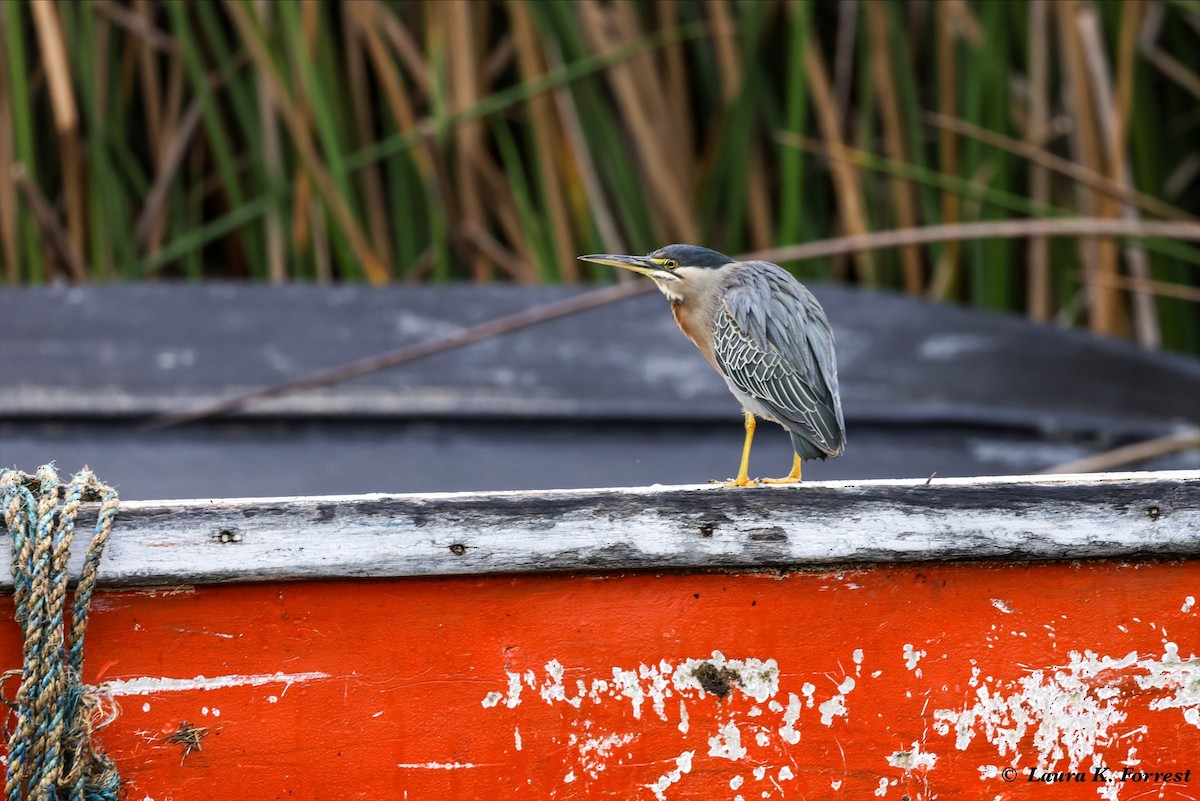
(816, 525)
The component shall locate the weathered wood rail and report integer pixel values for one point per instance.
(1116, 515)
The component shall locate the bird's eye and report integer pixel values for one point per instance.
(670, 264)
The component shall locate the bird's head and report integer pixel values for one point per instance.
(677, 269)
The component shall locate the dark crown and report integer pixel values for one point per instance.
(692, 256)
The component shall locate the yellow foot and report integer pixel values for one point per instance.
(791, 478)
(738, 482)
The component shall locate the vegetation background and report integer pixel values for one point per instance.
(482, 140)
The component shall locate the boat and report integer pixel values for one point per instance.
(897, 639)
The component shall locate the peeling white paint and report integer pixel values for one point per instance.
(627, 684)
(788, 731)
(1067, 713)
(594, 752)
(683, 764)
(911, 657)
(727, 743)
(648, 688)
(913, 759)
(836, 706)
(551, 690)
(1002, 606)
(1173, 675)
(1057, 714)
(514, 691)
(836, 785)
(570, 777)
(517, 737)
(1188, 603)
(757, 679)
(150, 685)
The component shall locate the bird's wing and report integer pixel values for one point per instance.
(774, 343)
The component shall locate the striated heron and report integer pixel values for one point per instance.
(767, 336)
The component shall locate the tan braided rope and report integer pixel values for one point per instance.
(51, 751)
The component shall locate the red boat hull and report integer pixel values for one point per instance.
(953, 681)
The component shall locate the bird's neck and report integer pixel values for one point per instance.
(695, 321)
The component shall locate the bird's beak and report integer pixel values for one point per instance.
(639, 264)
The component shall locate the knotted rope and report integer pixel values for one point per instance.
(51, 753)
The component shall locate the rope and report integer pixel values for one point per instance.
(51, 752)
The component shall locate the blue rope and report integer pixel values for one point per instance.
(52, 755)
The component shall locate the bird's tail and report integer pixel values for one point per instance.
(810, 450)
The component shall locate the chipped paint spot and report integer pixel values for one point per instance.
(1002, 606)
(146, 707)
(1188, 603)
(912, 759)
(881, 791)
(788, 731)
(785, 774)
(683, 764)
(514, 691)
(683, 717)
(149, 685)
(517, 737)
(754, 677)
(570, 777)
(1065, 713)
(736, 782)
(836, 785)
(912, 657)
(1172, 674)
(439, 765)
(594, 753)
(727, 744)
(836, 706)
(552, 689)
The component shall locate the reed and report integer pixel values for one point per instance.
(394, 140)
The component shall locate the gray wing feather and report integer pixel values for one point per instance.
(773, 342)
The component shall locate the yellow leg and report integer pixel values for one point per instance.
(792, 477)
(743, 476)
